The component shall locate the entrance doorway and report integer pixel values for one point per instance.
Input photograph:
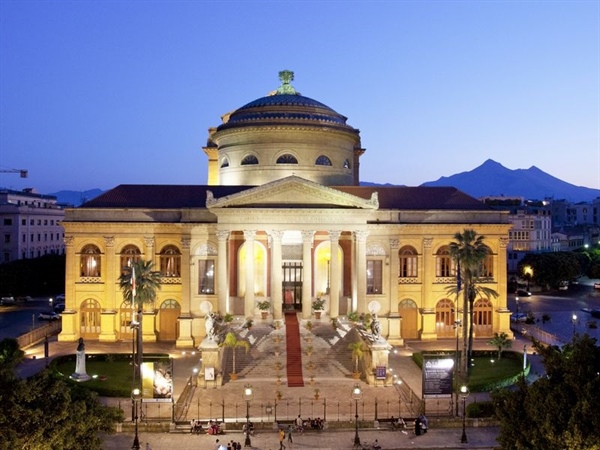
(292, 286)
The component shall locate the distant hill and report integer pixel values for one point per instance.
(492, 178)
(76, 198)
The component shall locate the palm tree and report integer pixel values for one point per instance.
(357, 353)
(501, 342)
(469, 253)
(231, 341)
(139, 284)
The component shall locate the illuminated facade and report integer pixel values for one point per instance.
(282, 218)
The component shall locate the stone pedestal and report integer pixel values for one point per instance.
(80, 372)
(211, 359)
(380, 351)
(395, 329)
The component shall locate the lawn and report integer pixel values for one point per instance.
(112, 375)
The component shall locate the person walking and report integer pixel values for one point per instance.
(281, 438)
(289, 434)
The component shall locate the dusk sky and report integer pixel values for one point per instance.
(94, 94)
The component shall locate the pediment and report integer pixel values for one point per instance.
(292, 192)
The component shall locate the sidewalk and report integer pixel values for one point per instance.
(442, 438)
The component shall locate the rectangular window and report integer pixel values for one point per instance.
(374, 276)
(31, 222)
(7, 221)
(24, 238)
(206, 276)
(7, 238)
(23, 222)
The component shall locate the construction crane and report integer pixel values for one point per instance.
(21, 172)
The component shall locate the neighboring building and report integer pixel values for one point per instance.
(531, 230)
(30, 224)
(283, 218)
(570, 214)
(567, 239)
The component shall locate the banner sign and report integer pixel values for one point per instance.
(380, 372)
(438, 373)
(157, 380)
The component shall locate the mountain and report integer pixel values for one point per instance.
(76, 198)
(493, 179)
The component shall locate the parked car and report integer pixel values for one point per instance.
(8, 300)
(48, 315)
(523, 293)
(59, 298)
(518, 317)
(25, 298)
(59, 307)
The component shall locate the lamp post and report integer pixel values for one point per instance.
(517, 302)
(574, 318)
(456, 364)
(248, 395)
(464, 393)
(136, 396)
(356, 394)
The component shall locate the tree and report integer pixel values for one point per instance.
(357, 353)
(10, 355)
(231, 341)
(559, 410)
(501, 342)
(139, 284)
(48, 412)
(469, 252)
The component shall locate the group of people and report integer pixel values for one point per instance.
(231, 445)
(213, 427)
(312, 424)
(421, 425)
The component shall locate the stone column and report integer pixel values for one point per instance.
(185, 275)
(276, 274)
(307, 243)
(149, 249)
(249, 236)
(394, 274)
(113, 271)
(361, 270)
(335, 275)
(222, 271)
(70, 322)
(427, 319)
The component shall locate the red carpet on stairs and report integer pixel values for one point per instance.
(294, 351)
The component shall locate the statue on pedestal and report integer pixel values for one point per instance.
(80, 373)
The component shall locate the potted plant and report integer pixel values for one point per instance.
(357, 354)
(232, 342)
(318, 304)
(264, 306)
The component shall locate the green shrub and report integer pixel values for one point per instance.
(480, 409)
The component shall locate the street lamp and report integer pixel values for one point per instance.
(136, 396)
(464, 393)
(248, 395)
(574, 318)
(356, 394)
(517, 302)
(456, 363)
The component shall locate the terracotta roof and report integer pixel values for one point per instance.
(188, 196)
(418, 198)
(155, 196)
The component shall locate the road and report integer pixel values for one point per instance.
(22, 317)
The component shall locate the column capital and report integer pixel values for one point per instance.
(68, 240)
(109, 241)
(427, 242)
(394, 244)
(307, 236)
(361, 235)
(186, 241)
(275, 234)
(149, 241)
(334, 235)
(504, 242)
(249, 235)
(223, 235)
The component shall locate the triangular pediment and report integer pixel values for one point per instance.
(292, 192)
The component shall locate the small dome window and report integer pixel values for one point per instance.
(323, 161)
(287, 159)
(346, 164)
(225, 163)
(249, 160)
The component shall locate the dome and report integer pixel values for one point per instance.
(284, 105)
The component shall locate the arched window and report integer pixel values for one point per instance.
(408, 262)
(444, 266)
(90, 319)
(286, 159)
(89, 265)
(444, 318)
(347, 164)
(323, 161)
(249, 160)
(170, 261)
(129, 254)
(487, 265)
(224, 163)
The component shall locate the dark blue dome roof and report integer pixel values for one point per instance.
(285, 100)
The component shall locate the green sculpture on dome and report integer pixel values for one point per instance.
(286, 76)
